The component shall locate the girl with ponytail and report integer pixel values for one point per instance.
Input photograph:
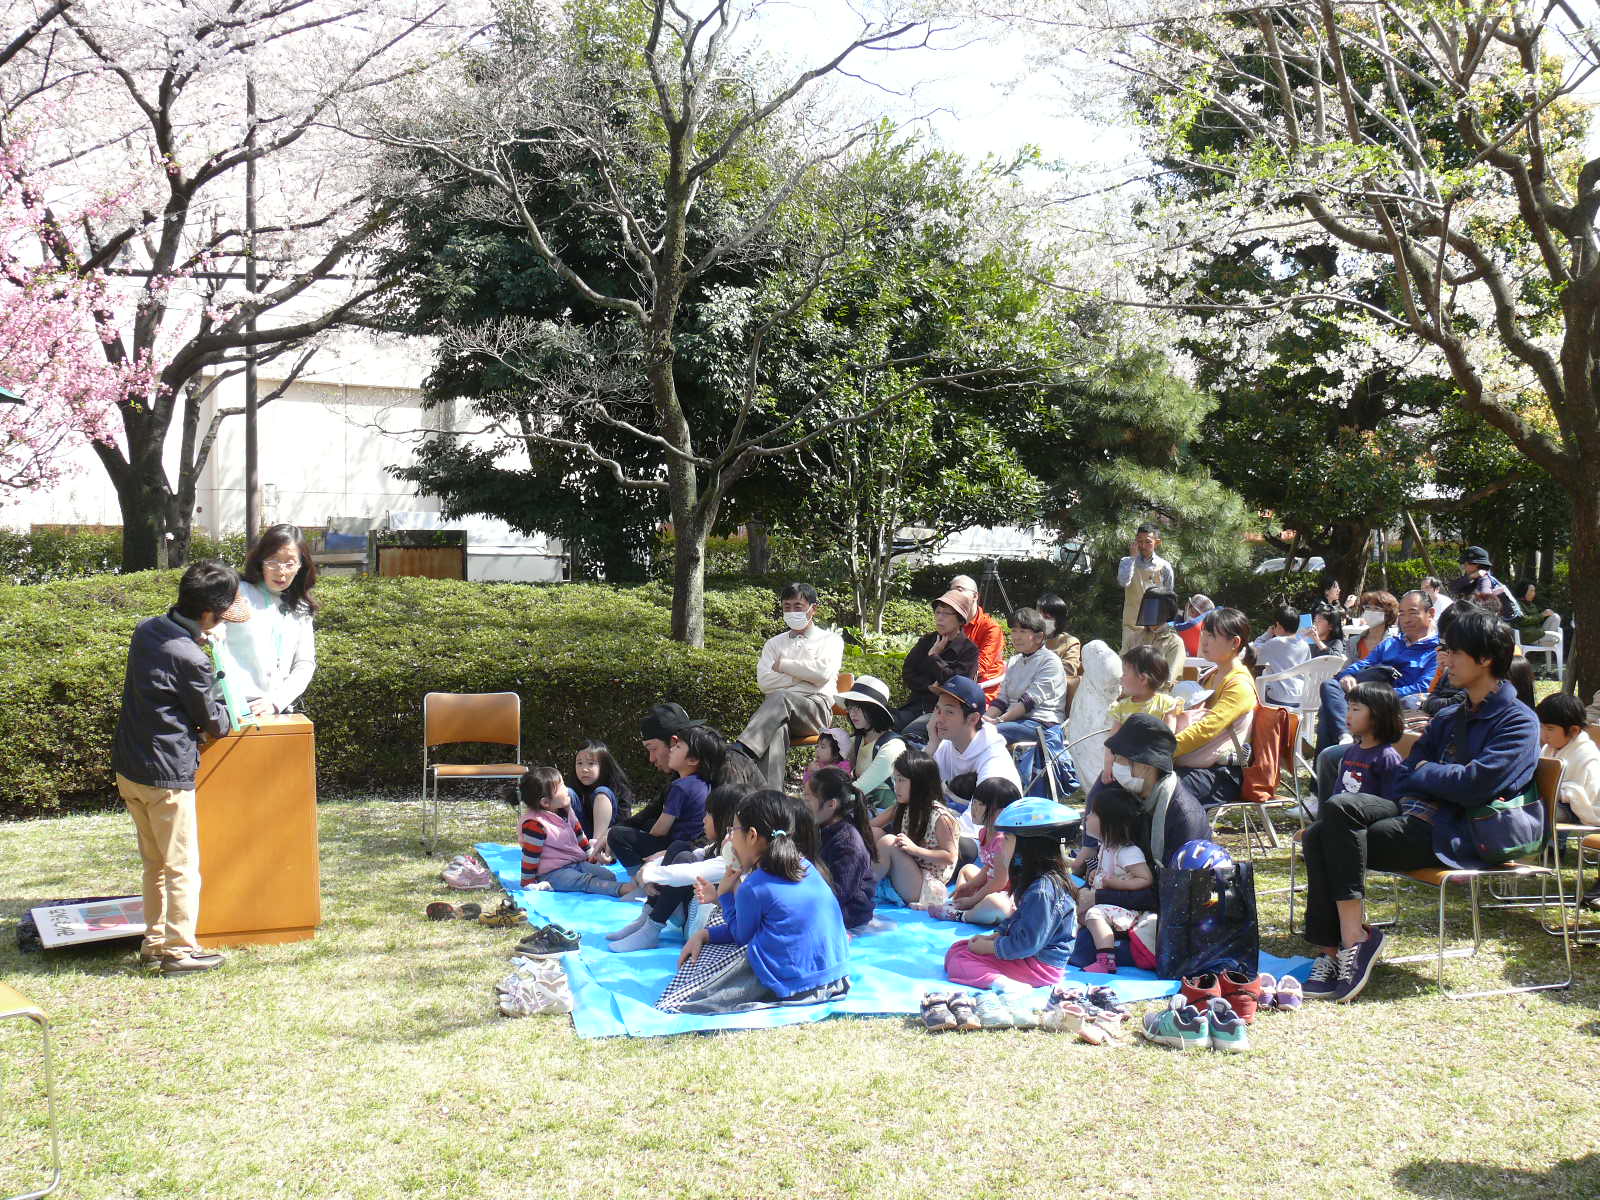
(844, 832)
(782, 940)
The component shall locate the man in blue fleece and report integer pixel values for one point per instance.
(1484, 748)
(1407, 662)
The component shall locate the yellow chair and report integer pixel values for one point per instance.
(14, 1005)
(451, 718)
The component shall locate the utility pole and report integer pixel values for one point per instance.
(252, 464)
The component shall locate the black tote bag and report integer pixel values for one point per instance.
(1208, 922)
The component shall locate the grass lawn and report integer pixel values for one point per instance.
(369, 1062)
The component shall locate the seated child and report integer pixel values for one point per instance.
(670, 884)
(833, 750)
(1370, 766)
(778, 913)
(1279, 649)
(603, 795)
(844, 832)
(554, 848)
(1145, 676)
(918, 838)
(1120, 866)
(1032, 944)
(1561, 729)
(983, 895)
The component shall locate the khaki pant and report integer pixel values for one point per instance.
(782, 717)
(170, 847)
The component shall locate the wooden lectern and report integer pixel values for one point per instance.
(256, 796)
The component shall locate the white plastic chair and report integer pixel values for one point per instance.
(1313, 675)
(1552, 646)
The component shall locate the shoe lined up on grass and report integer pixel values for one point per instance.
(1180, 1025)
(1226, 1027)
(521, 997)
(963, 1010)
(549, 939)
(507, 916)
(936, 1014)
(1243, 992)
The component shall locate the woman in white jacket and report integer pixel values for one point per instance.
(271, 657)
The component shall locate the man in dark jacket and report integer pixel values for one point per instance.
(168, 703)
(936, 657)
(1484, 748)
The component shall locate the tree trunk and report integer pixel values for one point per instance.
(1583, 665)
(144, 504)
(689, 579)
(758, 548)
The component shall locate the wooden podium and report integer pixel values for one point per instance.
(256, 796)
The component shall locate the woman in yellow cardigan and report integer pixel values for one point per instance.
(1206, 760)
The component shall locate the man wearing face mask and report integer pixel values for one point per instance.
(1407, 662)
(1139, 761)
(799, 672)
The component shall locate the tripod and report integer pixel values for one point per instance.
(991, 579)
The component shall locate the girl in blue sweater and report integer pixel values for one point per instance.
(783, 939)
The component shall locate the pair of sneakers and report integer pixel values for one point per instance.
(1341, 977)
(466, 873)
(535, 985)
(1182, 1026)
(549, 939)
(1281, 995)
(1094, 1015)
(943, 1012)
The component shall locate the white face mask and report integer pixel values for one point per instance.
(1049, 626)
(796, 620)
(1123, 774)
(1372, 616)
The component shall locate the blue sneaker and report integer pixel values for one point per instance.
(1181, 1026)
(1227, 1027)
(1355, 965)
(1323, 981)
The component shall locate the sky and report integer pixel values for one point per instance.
(976, 97)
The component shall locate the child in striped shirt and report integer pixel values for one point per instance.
(554, 846)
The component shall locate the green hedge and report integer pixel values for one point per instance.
(587, 659)
(47, 556)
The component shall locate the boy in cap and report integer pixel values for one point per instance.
(168, 704)
(1478, 582)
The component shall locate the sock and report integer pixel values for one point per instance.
(643, 938)
(631, 927)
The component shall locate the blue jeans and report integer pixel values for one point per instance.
(1027, 730)
(583, 877)
(1331, 720)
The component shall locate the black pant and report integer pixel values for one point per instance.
(631, 847)
(1352, 832)
(1211, 785)
(668, 900)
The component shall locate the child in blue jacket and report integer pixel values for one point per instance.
(782, 940)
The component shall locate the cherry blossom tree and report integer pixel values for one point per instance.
(51, 358)
(145, 117)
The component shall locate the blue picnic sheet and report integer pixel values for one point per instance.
(615, 994)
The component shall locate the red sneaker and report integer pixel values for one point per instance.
(1243, 993)
(1200, 990)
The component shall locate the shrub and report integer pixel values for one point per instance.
(48, 555)
(586, 659)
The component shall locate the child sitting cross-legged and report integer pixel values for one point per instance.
(1120, 866)
(782, 929)
(555, 849)
(1145, 676)
(983, 889)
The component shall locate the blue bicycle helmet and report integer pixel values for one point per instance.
(1035, 816)
(1201, 855)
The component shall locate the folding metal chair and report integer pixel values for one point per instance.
(844, 683)
(451, 718)
(15, 1006)
(1548, 776)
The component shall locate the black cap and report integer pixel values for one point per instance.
(1144, 739)
(1477, 556)
(665, 721)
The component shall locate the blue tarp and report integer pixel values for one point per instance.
(615, 994)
